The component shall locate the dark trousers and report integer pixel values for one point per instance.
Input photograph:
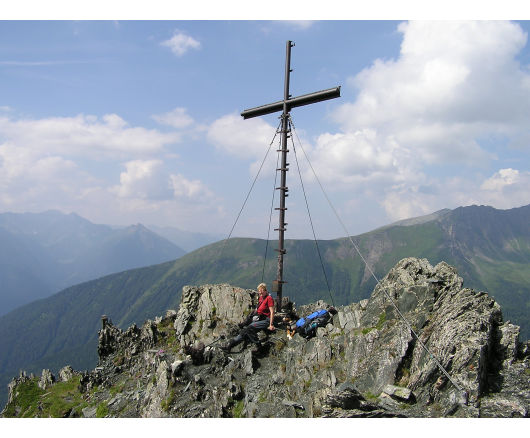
(250, 332)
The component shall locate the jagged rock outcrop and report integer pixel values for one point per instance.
(209, 311)
(382, 357)
(47, 379)
(13, 386)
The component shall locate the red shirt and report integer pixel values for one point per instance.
(264, 304)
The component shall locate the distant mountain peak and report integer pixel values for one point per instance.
(48, 251)
(419, 219)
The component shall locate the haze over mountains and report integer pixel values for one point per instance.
(187, 240)
(490, 249)
(43, 253)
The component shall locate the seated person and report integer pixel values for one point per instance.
(260, 319)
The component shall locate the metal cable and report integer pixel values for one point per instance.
(440, 366)
(248, 194)
(310, 218)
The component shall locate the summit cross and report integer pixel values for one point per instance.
(285, 106)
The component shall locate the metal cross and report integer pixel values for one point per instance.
(286, 105)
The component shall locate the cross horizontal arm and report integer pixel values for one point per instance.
(305, 99)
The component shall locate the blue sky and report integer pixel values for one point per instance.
(138, 121)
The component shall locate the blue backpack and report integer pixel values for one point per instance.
(307, 326)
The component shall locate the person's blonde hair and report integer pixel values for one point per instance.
(262, 285)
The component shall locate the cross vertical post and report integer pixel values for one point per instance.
(278, 286)
(285, 106)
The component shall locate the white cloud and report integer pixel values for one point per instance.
(142, 179)
(20, 163)
(83, 135)
(180, 43)
(453, 82)
(243, 138)
(149, 193)
(177, 118)
(28, 180)
(70, 164)
(149, 180)
(43, 160)
(506, 188)
(455, 89)
(191, 190)
(410, 199)
(358, 157)
(501, 179)
(399, 205)
(246, 139)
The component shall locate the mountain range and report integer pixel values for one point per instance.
(43, 253)
(490, 249)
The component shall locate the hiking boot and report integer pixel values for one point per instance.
(256, 348)
(226, 348)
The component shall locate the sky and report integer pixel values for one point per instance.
(124, 121)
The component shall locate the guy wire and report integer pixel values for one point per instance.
(248, 194)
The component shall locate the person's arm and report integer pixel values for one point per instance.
(271, 326)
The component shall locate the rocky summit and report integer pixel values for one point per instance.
(422, 346)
